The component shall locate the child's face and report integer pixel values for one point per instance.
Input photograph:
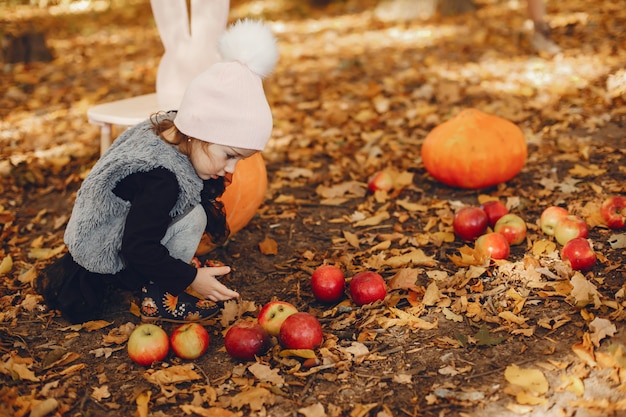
(219, 161)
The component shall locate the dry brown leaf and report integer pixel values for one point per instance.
(44, 407)
(91, 326)
(268, 246)
(172, 375)
(374, 220)
(313, 410)
(432, 295)
(119, 334)
(415, 257)
(351, 238)
(601, 328)
(101, 393)
(143, 401)
(529, 379)
(265, 373)
(13, 367)
(256, 398)
(209, 412)
(6, 265)
(512, 318)
(590, 171)
(404, 279)
(584, 292)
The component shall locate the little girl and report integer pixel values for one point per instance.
(141, 212)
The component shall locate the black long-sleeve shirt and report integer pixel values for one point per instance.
(152, 195)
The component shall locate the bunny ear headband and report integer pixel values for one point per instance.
(226, 104)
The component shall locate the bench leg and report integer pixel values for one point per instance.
(105, 137)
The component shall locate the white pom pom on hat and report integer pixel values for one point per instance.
(226, 104)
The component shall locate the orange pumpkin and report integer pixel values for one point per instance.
(242, 197)
(474, 150)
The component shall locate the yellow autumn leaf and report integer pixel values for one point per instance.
(299, 353)
(352, 239)
(584, 292)
(432, 295)
(591, 171)
(512, 318)
(543, 246)
(28, 276)
(406, 319)
(142, 401)
(573, 384)
(208, 412)
(256, 398)
(44, 408)
(172, 375)
(415, 257)
(285, 199)
(531, 380)
(529, 398)
(409, 206)
(90, 326)
(14, 368)
(6, 265)
(374, 220)
(37, 242)
(45, 253)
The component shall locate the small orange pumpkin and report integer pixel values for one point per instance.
(241, 198)
(474, 150)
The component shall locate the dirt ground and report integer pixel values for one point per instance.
(353, 93)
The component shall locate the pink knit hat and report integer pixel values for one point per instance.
(226, 104)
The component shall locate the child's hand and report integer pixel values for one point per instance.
(209, 287)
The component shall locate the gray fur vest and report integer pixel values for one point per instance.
(94, 232)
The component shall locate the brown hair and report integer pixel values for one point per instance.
(216, 226)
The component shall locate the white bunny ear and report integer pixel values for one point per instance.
(251, 43)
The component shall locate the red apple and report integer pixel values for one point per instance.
(512, 227)
(301, 331)
(579, 253)
(570, 227)
(148, 343)
(550, 217)
(381, 180)
(245, 340)
(493, 245)
(613, 211)
(494, 209)
(328, 283)
(273, 314)
(470, 222)
(367, 287)
(189, 340)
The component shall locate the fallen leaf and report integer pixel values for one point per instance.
(268, 246)
(255, 398)
(208, 412)
(584, 292)
(265, 373)
(6, 265)
(313, 410)
(172, 375)
(100, 393)
(601, 328)
(44, 407)
(143, 401)
(415, 257)
(17, 370)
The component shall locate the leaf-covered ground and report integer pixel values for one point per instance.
(354, 92)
